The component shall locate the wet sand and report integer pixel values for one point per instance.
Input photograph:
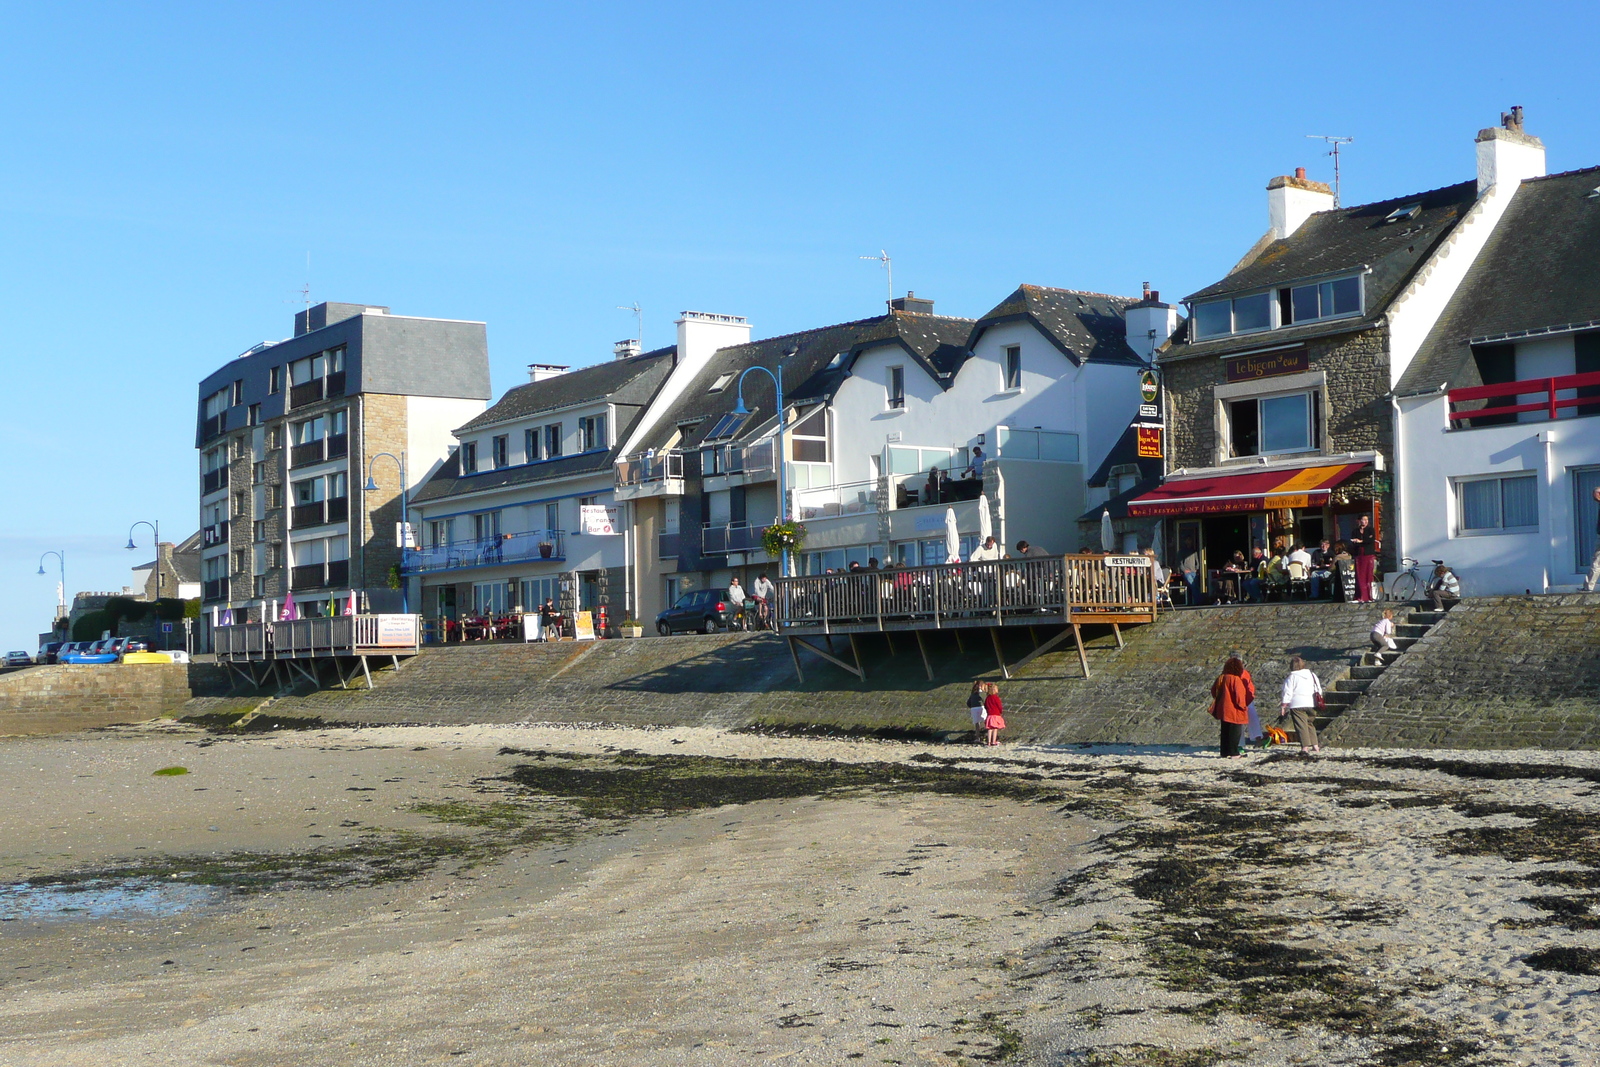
(1110, 908)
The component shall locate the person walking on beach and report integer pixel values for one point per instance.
(1231, 696)
(1252, 726)
(1383, 633)
(1301, 689)
(995, 720)
(975, 707)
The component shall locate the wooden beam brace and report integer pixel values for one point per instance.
(830, 657)
(1083, 657)
(1116, 628)
(1042, 649)
(794, 655)
(927, 664)
(366, 672)
(861, 664)
(1000, 657)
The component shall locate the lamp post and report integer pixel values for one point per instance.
(405, 525)
(783, 494)
(155, 529)
(61, 589)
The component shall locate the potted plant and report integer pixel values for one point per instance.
(631, 628)
(546, 549)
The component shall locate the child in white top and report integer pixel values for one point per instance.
(1383, 633)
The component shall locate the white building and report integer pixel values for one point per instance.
(1506, 499)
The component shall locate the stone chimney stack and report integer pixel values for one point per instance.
(1507, 155)
(1149, 322)
(1290, 201)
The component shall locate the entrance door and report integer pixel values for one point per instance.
(447, 602)
(1189, 557)
(1584, 510)
(1223, 536)
(588, 590)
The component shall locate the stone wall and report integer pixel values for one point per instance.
(383, 422)
(1496, 672)
(65, 697)
(1154, 691)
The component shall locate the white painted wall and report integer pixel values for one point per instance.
(1541, 561)
(430, 422)
(700, 334)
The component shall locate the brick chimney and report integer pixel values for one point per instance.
(1292, 200)
(913, 303)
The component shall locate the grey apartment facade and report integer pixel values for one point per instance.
(287, 434)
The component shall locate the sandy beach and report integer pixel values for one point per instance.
(535, 894)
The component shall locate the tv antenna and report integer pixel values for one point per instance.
(638, 319)
(883, 259)
(1336, 142)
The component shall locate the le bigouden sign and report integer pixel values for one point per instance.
(1267, 365)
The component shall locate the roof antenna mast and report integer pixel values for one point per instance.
(888, 266)
(1336, 142)
(638, 319)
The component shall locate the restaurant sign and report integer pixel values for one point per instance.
(1126, 561)
(1267, 365)
(1149, 442)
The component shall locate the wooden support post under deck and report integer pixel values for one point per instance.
(795, 655)
(892, 650)
(1116, 628)
(927, 664)
(1034, 636)
(1000, 657)
(961, 645)
(1083, 657)
(861, 664)
(366, 672)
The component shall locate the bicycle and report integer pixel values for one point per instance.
(1404, 585)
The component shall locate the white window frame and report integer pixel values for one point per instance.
(895, 383)
(1458, 500)
(500, 450)
(1011, 360)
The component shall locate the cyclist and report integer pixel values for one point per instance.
(762, 590)
(736, 600)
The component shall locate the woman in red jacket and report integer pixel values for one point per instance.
(1231, 696)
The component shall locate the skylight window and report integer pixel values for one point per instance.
(721, 383)
(726, 427)
(1401, 214)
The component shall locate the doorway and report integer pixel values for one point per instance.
(446, 602)
(1223, 536)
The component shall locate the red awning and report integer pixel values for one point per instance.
(1295, 487)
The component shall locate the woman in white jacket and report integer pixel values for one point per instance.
(1300, 691)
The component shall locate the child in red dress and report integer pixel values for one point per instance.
(995, 720)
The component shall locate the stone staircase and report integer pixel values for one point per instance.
(1346, 690)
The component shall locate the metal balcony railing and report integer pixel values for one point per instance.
(668, 545)
(730, 537)
(507, 548)
(331, 575)
(214, 589)
(305, 393)
(215, 534)
(646, 467)
(212, 481)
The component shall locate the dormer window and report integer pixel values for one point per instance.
(1242, 314)
(1290, 306)
(721, 383)
(1320, 300)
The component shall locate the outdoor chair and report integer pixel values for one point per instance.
(1299, 580)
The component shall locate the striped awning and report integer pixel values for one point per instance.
(1297, 487)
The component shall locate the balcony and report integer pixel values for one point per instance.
(335, 387)
(1539, 399)
(852, 498)
(305, 455)
(730, 537)
(338, 446)
(214, 589)
(509, 548)
(214, 480)
(305, 393)
(215, 534)
(668, 545)
(320, 513)
(210, 427)
(339, 509)
(648, 474)
(1052, 445)
(334, 575)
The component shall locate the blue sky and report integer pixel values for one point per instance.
(169, 167)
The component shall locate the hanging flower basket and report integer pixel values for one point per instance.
(784, 535)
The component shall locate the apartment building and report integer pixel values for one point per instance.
(288, 433)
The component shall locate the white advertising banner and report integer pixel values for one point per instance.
(599, 520)
(397, 631)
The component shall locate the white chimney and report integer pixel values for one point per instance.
(1149, 322)
(700, 334)
(538, 372)
(626, 349)
(1507, 156)
(1290, 201)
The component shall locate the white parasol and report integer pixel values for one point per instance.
(985, 527)
(1108, 539)
(952, 539)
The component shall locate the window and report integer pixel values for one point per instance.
(486, 526)
(275, 555)
(810, 436)
(253, 416)
(441, 532)
(260, 584)
(241, 561)
(310, 431)
(552, 441)
(274, 379)
(1242, 314)
(897, 387)
(501, 447)
(1274, 425)
(308, 492)
(258, 531)
(489, 598)
(239, 448)
(241, 505)
(1489, 505)
(238, 393)
(274, 496)
(530, 446)
(552, 516)
(593, 432)
(258, 473)
(214, 459)
(469, 457)
(711, 460)
(1321, 300)
(216, 403)
(1402, 214)
(275, 437)
(338, 422)
(338, 485)
(1012, 367)
(721, 383)
(535, 591)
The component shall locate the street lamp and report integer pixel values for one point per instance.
(405, 526)
(155, 528)
(61, 589)
(740, 409)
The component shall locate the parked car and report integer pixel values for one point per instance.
(18, 659)
(135, 644)
(49, 651)
(705, 610)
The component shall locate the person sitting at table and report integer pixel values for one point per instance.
(1276, 575)
(1027, 551)
(986, 551)
(1232, 577)
(930, 492)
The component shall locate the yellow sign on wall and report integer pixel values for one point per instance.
(583, 626)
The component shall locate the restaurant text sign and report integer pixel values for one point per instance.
(1149, 442)
(1268, 365)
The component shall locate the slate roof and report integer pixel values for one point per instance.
(1540, 269)
(1331, 242)
(1086, 327)
(807, 376)
(186, 558)
(624, 381)
(627, 383)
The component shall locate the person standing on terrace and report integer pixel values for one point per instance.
(1593, 579)
(1364, 545)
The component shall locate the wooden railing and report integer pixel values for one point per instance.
(336, 635)
(1501, 400)
(995, 593)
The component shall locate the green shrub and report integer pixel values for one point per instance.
(125, 608)
(169, 609)
(191, 608)
(91, 625)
